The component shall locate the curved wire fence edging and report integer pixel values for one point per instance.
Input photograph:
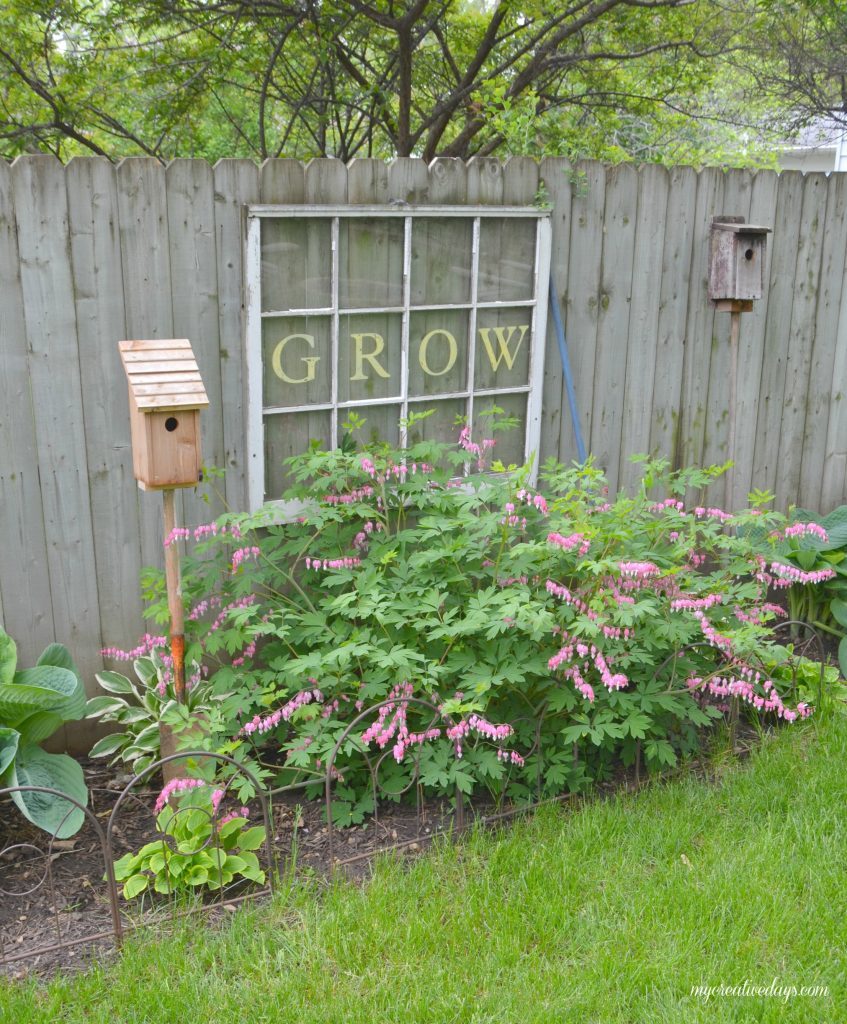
(105, 840)
(264, 797)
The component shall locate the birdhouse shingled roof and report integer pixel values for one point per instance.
(163, 374)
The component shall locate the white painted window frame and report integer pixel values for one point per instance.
(254, 316)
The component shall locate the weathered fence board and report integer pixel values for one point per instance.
(24, 575)
(41, 209)
(752, 348)
(99, 303)
(737, 191)
(408, 181)
(557, 434)
(822, 380)
(236, 185)
(782, 263)
(145, 258)
(194, 295)
(613, 313)
(583, 292)
(680, 229)
(699, 329)
(643, 322)
(485, 181)
(94, 252)
(832, 323)
(801, 338)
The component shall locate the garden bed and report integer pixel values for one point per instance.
(67, 926)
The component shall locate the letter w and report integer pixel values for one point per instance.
(504, 341)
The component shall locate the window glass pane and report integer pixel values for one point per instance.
(382, 423)
(441, 425)
(438, 351)
(441, 261)
(370, 263)
(296, 264)
(286, 435)
(297, 357)
(502, 347)
(506, 259)
(510, 443)
(369, 356)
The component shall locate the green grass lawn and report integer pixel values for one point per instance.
(610, 913)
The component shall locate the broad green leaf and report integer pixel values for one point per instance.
(131, 715)
(149, 732)
(8, 659)
(126, 865)
(9, 739)
(43, 688)
(144, 669)
(839, 611)
(101, 705)
(842, 657)
(252, 863)
(114, 682)
(39, 726)
(35, 767)
(835, 524)
(60, 657)
(109, 745)
(233, 825)
(135, 885)
(252, 838)
(157, 861)
(806, 559)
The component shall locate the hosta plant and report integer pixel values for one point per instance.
(817, 547)
(141, 708)
(560, 630)
(34, 703)
(199, 847)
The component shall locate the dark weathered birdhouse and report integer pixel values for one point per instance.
(737, 254)
(166, 394)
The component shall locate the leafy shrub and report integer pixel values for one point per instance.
(198, 848)
(34, 703)
(558, 632)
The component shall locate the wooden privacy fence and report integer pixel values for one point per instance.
(92, 253)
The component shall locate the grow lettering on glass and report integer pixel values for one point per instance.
(437, 352)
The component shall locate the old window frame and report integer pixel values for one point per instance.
(254, 316)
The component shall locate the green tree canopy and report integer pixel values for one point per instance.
(345, 78)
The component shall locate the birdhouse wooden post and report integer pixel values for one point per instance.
(166, 395)
(737, 252)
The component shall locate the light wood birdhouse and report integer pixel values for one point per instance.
(166, 394)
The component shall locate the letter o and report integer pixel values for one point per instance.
(453, 352)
